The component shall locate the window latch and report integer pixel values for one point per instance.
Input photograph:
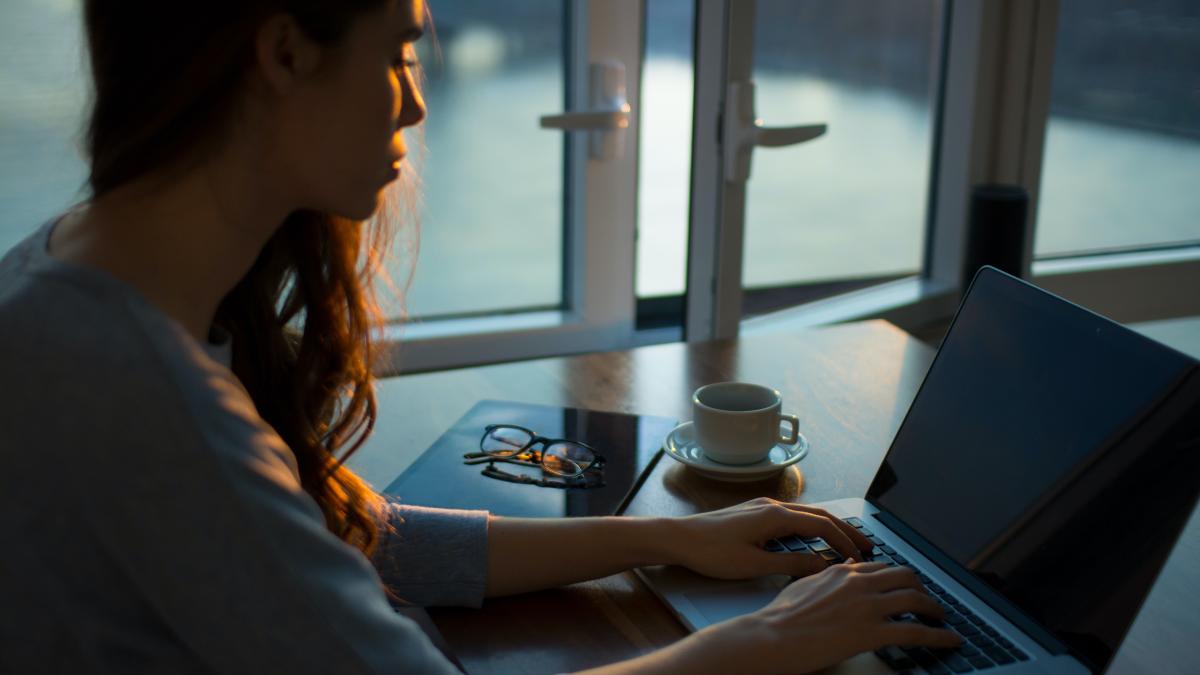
(608, 117)
(743, 132)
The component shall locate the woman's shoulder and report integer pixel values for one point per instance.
(94, 359)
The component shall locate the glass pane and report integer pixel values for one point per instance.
(850, 204)
(492, 225)
(665, 145)
(1122, 157)
(44, 80)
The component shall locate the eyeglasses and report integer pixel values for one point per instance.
(578, 463)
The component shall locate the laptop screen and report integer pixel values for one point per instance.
(1052, 453)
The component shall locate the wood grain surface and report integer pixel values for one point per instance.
(850, 385)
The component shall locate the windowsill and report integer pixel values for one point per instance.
(902, 301)
(476, 325)
(1110, 261)
(486, 340)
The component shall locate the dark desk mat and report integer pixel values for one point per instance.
(630, 444)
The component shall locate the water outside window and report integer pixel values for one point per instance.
(1122, 158)
(850, 204)
(492, 225)
(43, 76)
(664, 169)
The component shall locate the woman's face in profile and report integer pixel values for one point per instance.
(345, 129)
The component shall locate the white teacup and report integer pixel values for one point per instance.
(738, 422)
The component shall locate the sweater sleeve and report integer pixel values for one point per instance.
(211, 524)
(434, 556)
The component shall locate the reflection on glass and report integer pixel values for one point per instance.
(665, 164)
(852, 203)
(1122, 154)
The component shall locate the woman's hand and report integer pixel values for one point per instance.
(727, 544)
(826, 618)
(814, 623)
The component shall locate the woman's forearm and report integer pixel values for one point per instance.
(528, 554)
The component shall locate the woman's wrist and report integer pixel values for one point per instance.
(664, 540)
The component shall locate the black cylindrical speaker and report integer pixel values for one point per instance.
(996, 230)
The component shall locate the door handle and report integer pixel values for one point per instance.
(743, 132)
(608, 117)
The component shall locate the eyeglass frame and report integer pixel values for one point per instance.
(597, 463)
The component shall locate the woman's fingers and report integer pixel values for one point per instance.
(910, 634)
(793, 564)
(860, 540)
(891, 579)
(895, 603)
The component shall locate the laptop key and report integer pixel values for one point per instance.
(895, 657)
(1021, 656)
(955, 662)
(794, 543)
(977, 620)
(954, 618)
(990, 631)
(999, 656)
(980, 661)
(1005, 641)
(900, 559)
(983, 642)
(934, 588)
(888, 549)
(927, 661)
(774, 546)
(967, 629)
(924, 578)
(854, 522)
(819, 546)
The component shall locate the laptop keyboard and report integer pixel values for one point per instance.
(983, 646)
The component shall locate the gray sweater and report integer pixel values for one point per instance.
(152, 522)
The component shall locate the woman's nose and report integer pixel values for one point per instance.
(412, 104)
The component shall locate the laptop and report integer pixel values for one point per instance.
(1037, 485)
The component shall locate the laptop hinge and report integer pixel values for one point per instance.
(986, 593)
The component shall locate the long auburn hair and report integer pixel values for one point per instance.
(302, 318)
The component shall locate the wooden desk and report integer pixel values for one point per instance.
(850, 385)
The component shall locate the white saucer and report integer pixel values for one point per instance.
(681, 445)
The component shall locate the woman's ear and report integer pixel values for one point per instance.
(284, 55)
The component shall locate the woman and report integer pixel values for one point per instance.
(188, 351)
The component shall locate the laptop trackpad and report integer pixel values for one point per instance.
(718, 601)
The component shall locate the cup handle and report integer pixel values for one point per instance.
(795, 436)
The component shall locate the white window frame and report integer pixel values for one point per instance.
(600, 215)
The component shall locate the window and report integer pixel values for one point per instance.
(1122, 157)
(666, 149)
(852, 203)
(491, 235)
(43, 77)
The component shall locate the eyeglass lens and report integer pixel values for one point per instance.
(505, 441)
(567, 459)
(562, 458)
